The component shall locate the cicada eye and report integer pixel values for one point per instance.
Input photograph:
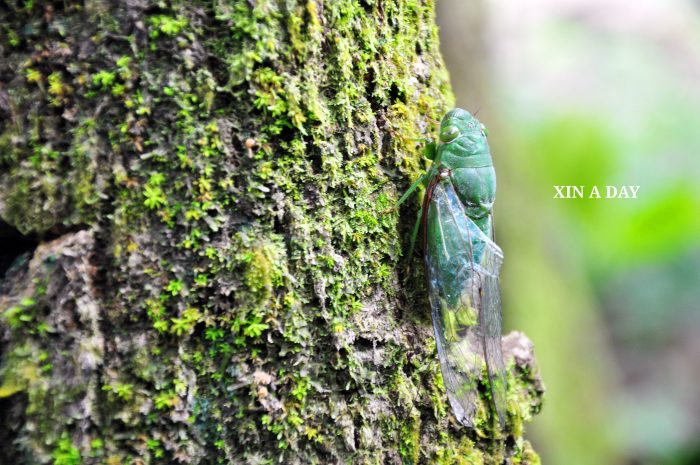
(484, 130)
(449, 134)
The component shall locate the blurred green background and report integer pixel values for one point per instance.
(593, 92)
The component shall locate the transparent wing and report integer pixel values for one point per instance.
(490, 321)
(463, 266)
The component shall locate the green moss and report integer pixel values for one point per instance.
(20, 372)
(167, 25)
(259, 271)
(459, 451)
(66, 453)
(410, 442)
(104, 78)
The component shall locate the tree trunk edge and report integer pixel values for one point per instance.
(216, 278)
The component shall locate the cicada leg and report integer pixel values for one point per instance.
(416, 226)
(414, 233)
(430, 150)
(421, 179)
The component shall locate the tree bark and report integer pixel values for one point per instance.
(195, 202)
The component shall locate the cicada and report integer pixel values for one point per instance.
(462, 263)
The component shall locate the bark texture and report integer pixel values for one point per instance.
(204, 269)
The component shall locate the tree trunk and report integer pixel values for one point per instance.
(204, 266)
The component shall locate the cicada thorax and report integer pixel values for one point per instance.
(468, 158)
(476, 190)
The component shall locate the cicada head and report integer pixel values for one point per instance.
(464, 137)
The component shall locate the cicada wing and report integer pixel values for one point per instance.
(490, 322)
(459, 359)
(462, 266)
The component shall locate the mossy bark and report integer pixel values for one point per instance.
(219, 276)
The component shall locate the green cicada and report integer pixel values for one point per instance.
(462, 262)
